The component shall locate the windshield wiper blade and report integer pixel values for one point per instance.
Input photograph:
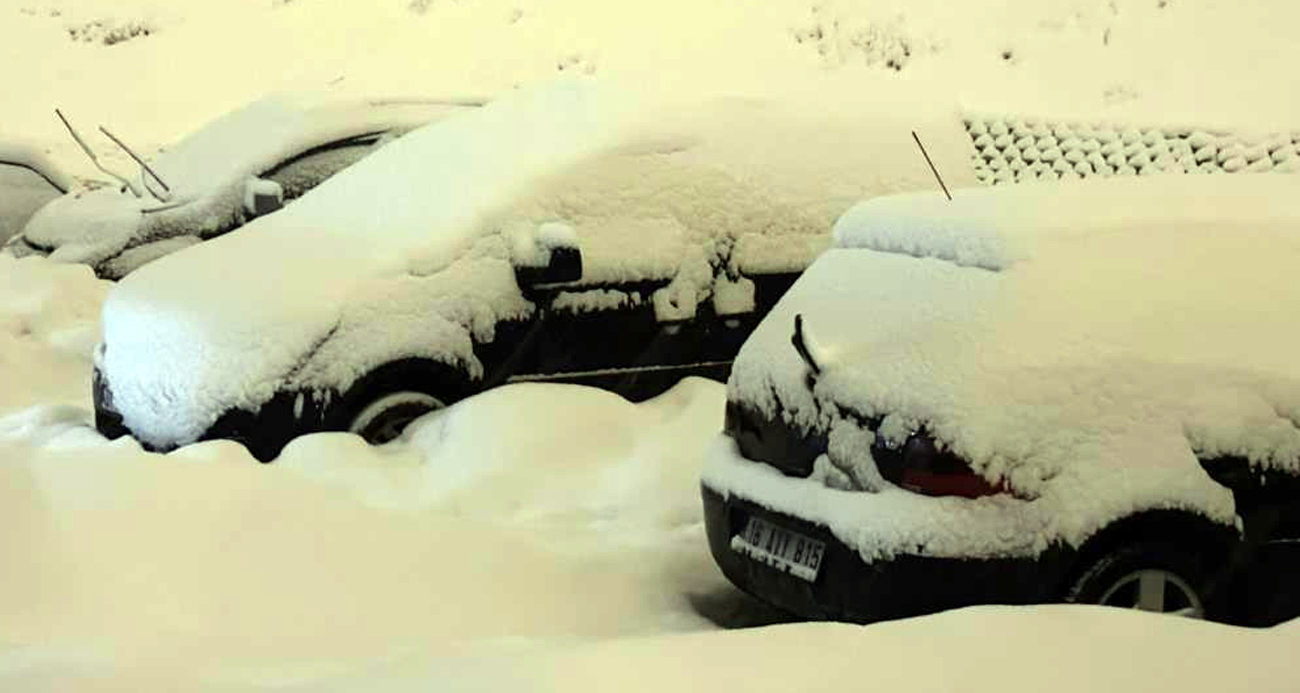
(166, 188)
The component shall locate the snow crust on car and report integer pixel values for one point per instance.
(1081, 374)
(206, 170)
(409, 253)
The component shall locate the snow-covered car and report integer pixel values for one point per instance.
(572, 233)
(243, 165)
(28, 181)
(1050, 393)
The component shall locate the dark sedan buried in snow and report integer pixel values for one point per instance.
(1060, 393)
(574, 233)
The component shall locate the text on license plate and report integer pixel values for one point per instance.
(780, 548)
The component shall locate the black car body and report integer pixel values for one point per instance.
(955, 407)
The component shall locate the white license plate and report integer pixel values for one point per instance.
(780, 548)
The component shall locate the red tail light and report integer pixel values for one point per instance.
(922, 467)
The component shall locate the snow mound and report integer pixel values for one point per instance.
(1067, 649)
(49, 317)
(480, 529)
(1019, 150)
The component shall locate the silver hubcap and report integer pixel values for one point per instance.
(1158, 591)
(385, 418)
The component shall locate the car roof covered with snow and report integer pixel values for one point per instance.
(410, 252)
(1081, 344)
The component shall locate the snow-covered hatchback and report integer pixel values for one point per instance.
(573, 233)
(1084, 392)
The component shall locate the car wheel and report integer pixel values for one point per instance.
(385, 418)
(1161, 578)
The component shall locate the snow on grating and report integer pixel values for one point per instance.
(1020, 150)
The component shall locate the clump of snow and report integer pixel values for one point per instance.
(260, 193)
(1107, 345)
(552, 235)
(409, 253)
(595, 300)
(733, 296)
(534, 249)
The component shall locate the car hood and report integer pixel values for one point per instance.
(185, 341)
(87, 226)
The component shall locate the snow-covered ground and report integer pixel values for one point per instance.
(489, 550)
(171, 65)
(538, 537)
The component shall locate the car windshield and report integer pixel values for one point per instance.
(256, 137)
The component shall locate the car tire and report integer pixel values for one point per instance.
(384, 419)
(1155, 577)
(380, 404)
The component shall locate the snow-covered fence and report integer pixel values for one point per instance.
(1013, 150)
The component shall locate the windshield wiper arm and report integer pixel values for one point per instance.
(167, 189)
(94, 159)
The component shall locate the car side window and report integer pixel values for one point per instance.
(22, 192)
(301, 173)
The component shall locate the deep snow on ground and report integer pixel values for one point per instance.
(537, 537)
(489, 527)
(513, 542)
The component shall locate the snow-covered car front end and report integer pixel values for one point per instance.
(245, 164)
(1083, 392)
(572, 233)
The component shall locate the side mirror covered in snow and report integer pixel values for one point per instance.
(549, 256)
(262, 196)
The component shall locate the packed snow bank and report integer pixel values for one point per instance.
(1062, 649)
(49, 318)
(487, 527)
(409, 252)
(1112, 339)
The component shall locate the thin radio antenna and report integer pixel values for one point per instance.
(932, 168)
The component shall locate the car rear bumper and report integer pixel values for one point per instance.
(848, 588)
